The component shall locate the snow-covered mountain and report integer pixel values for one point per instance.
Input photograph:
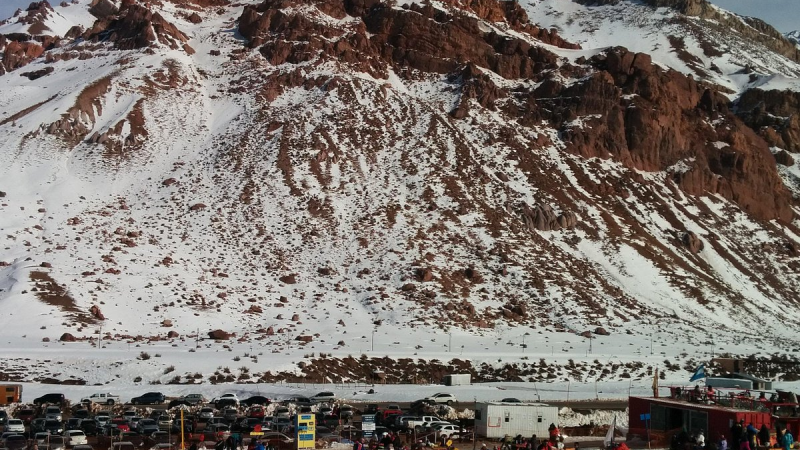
(406, 179)
(794, 36)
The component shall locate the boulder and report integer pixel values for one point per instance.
(173, 334)
(288, 279)
(304, 338)
(601, 331)
(67, 337)
(692, 242)
(220, 335)
(166, 323)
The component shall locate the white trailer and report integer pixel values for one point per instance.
(497, 419)
(457, 379)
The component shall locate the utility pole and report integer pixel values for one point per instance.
(373, 340)
(651, 343)
(450, 342)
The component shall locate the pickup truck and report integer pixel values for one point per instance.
(103, 399)
(422, 423)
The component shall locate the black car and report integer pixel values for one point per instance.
(37, 425)
(3, 417)
(178, 402)
(225, 403)
(256, 400)
(74, 423)
(80, 413)
(53, 426)
(150, 398)
(56, 399)
(89, 427)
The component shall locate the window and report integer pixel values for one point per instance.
(508, 416)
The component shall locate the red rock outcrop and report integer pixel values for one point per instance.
(135, 26)
(651, 119)
(774, 114)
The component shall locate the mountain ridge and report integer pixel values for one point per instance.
(289, 170)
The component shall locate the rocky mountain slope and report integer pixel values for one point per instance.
(303, 175)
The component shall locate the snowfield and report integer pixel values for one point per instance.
(323, 207)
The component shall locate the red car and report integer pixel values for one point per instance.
(120, 424)
(26, 415)
(256, 412)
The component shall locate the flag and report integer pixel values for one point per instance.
(655, 383)
(609, 439)
(700, 372)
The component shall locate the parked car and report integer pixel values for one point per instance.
(147, 426)
(73, 423)
(103, 399)
(248, 423)
(454, 431)
(442, 397)
(346, 412)
(510, 400)
(80, 413)
(15, 426)
(37, 425)
(230, 414)
(323, 397)
(299, 401)
(150, 398)
(53, 426)
(281, 411)
(277, 440)
(226, 400)
(102, 419)
(125, 445)
(75, 437)
(41, 438)
(160, 436)
(121, 424)
(54, 413)
(194, 399)
(55, 443)
(26, 415)
(83, 447)
(89, 427)
(256, 400)
(164, 421)
(55, 399)
(3, 416)
(163, 446)
(255, 411)
(177, 402)
(205, 414)
(16, 442)
(420, 423)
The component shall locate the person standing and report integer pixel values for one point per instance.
(788, 440)
(763, 436)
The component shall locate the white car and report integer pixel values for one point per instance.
(15, 426)
(324, 397)
(227, 397)
(454, 431)
(75, 437)
(442, 397)
(103, 399)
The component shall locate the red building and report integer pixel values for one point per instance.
(661, 418)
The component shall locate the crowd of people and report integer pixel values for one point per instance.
(741, 437)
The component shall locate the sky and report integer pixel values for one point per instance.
(782, 14)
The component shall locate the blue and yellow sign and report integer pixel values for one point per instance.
(305, 433)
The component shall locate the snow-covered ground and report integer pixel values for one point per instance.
(103, 227)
